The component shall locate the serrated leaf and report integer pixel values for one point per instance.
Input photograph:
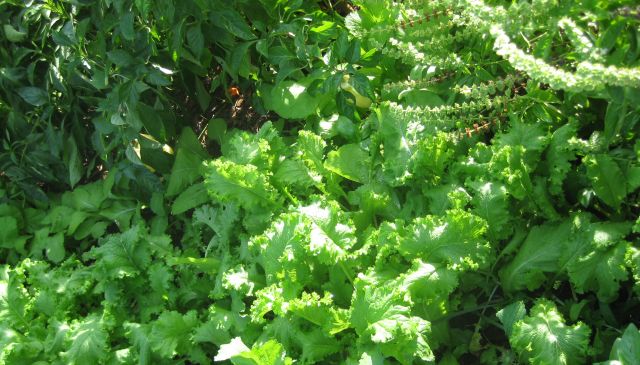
(139, 336)
(380, 316)
(331, 234)
(89, 342)
(491, 203)
(242, 184)
(594, 257)
(282, 249)
(427, 283)
(171, 333)
(542, 338)
(268, 353)
(559, 156)
(455, 240)
(221, 219)
(121, 255)
(316, 346)
(607, 179)
(399, 142)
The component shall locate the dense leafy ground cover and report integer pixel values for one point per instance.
(274, 182)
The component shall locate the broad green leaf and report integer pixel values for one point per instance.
(291, 100)
(398, 141)
(241, 184)
(204, 264)
(455, 240)
(89, 341)
(559, 156)
(626, 349)
(53, 245)
(153, 122)
(510, 315)
(13, 35)
(186, 168)
(614, 120)
(491, 203)
(633, 178)
(120, 57)
(221, 219)
(119, 211)
(216, 129)
(72, 160)
(538, 255)
(269, 353)
(607, 179)
(595, 257)
(316, 346)
(121, 255)
(10, 236)
(195, 38)
(542, 337)
(231, 349)
(34, 95)
(331, 234)
(144, 6)
(171, 333)
(126, 26)
(239, 63)
(88, 198)
(234, 22)
(350, 161)
(380, 316)
(190, 198)
(202, 95)
(216, 329)
(429, 284)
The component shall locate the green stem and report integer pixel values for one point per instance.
(346, 272)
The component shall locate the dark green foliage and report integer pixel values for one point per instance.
(269, 182)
